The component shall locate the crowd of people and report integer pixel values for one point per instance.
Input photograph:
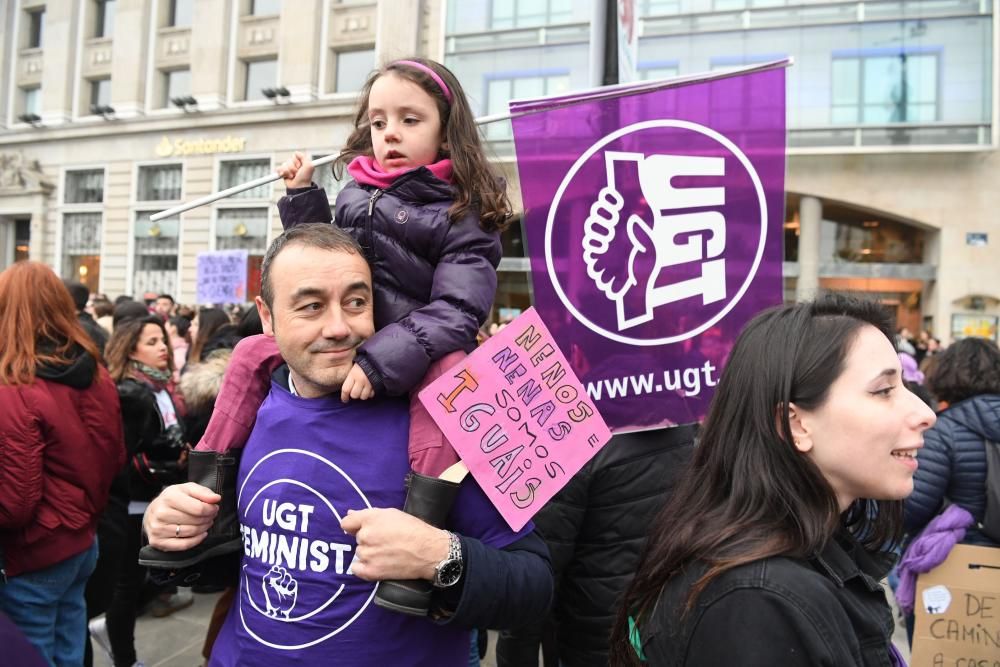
(104, 404)
(278, 453)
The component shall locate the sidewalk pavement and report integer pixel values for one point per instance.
(176, 640)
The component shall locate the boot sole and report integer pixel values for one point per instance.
(179, 564)
(402, 609)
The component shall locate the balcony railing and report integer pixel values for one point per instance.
(890, 136)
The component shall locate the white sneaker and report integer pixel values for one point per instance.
(98, 627)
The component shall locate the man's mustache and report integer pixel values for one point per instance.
(330, 346)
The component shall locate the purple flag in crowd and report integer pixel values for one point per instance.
(654, 227)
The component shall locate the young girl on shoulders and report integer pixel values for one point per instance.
(428, 210)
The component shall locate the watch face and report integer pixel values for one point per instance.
(450, 573)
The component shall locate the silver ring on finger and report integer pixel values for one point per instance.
(177, 533)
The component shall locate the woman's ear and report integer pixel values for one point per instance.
(801, 436)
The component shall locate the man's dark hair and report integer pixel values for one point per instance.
(127, 311)
(103, 308)
(166, 296)
(321, 235)
(182, 324)
(79, 292)
(122, 299)
(965, 369)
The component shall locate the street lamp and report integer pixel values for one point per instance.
(186, 103)
(276, 94)
(106, 111)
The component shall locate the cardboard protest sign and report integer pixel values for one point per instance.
(222, 276)
(957, 609)
(653, 220)
(518, 417)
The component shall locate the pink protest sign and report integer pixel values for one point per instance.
(518, 417)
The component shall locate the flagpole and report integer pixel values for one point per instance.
(273, 176)
(603, 92)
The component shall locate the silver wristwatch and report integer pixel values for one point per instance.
(449, 571)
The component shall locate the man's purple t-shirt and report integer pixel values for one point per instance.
(307, 462)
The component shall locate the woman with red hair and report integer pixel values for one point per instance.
(61, 445)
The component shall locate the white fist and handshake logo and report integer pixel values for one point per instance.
(673, 237)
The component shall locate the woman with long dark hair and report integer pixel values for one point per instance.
(60, 447)
(140, 361)
(211, 330)
(771, 549)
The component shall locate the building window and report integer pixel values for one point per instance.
(84, 187)
(100, 93)
(730, 5)
(509, 14)
(31, 100)
(234, 172)
(160, 182)
(265, 7)
(657, 71)
(22, 239)
(156, 249)
(180, 13)
(500, 90)
(868, 240)
(104, 18)
(81, 248)
(36, 29)
(659, 8)
(883, 88)
(176, 83)
(260, 74)
(244, 229)
(353, 68)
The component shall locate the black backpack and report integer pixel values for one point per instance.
(990, 526)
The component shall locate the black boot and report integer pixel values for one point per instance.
(218, 473)
(429, 499)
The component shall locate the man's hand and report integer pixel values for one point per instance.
(394, 545)
(297, 171)
(357, 385)
(190, 506)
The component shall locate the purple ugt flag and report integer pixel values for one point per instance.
(653, 218)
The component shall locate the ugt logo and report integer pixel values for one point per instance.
(657, 232)
(660, 237)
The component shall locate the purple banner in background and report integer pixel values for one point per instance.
(654, 229)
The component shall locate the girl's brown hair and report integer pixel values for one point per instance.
(477, 185)
(36, 307)
(123, 342)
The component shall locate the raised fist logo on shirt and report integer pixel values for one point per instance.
(280, 591)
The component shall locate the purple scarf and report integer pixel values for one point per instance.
(929, 550)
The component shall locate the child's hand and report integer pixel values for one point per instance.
(297, 171)
(356, 385)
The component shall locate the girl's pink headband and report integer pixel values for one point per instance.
(429, 72)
